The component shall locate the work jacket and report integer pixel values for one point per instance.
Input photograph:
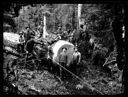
(63, 57)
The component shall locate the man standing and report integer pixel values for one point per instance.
(76, 60)
(65, 35)
(63, 61)
(37, 34)
(22, 42)
(59, 30)
(27, 34)
(72, 36)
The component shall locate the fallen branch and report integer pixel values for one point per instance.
(33, 88)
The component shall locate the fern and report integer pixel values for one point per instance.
(111, 58)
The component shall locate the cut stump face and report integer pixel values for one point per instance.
(11, 37)
(58, 47)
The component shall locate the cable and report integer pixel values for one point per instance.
(92, 88)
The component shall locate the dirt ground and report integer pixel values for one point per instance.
(33, 82)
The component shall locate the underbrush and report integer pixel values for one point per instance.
(34, 82)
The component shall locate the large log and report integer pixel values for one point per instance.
(57, 48)
(11, 39)
(11, 51)
(10, 43)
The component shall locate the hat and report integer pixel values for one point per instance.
(60, 26)
(21, 32)
(27, 27)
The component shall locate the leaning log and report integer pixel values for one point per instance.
(10, 43)
(11, 51)
(11, 39)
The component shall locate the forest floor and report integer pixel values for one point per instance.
(33, 82)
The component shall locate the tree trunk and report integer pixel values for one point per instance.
(44, 28)
(73, 19)
(79, 15)
(125, 69)
(117, 29)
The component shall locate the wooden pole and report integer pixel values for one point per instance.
(44, 28)
(79, 15)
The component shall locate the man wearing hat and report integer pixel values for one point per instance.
(63, 61)
(59, 30)
(21, 42)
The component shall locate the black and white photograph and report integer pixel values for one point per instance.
(64, 49)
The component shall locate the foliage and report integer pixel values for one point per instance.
(31, 16)
(98, 19)
(111, 58)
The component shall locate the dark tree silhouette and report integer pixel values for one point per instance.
(117, 29)
(125, 69)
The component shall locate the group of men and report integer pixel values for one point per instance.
(64, 34)
(29, 38)
(63, 58)
(27, 34)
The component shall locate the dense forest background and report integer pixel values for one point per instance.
(98, 19)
